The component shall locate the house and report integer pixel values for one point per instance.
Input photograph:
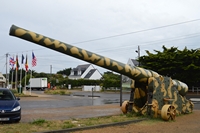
(126, 81)
(2, 80)
(133, 62)
(86, 71)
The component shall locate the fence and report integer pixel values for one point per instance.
(197, 89)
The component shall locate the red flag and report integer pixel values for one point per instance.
(17, 63)
(26, 64)
(34, 60)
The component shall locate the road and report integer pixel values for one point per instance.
(77, 105)
(74, 100)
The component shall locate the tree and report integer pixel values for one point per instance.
(66, 71)
(39, 75)
(27, 79)
(181, 65)
(111, 80)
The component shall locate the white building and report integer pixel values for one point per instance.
(86, 71)
(132, 62)
(126, 81)
(2, 80)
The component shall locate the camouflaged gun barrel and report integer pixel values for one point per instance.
(181, 87)
(135, 73)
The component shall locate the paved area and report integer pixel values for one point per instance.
(51, 107)
(29, 115)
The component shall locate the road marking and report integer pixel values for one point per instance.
(195, 99)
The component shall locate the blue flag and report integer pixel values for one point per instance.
(22, 59)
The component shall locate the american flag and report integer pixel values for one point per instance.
(34, 60)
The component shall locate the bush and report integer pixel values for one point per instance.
(39, 122)
(62, 92)
(14, 91)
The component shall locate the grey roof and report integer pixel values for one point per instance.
(89, 74)
(81, 67)
(135, 62)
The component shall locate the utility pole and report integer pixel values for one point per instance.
(50, 69)
(138, 51)
(50, 75)
(121, 90)
(6, 69)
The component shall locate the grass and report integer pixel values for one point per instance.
(49, 91)
(15, 92)
(39, 122)
(40, 125)
(57, 91)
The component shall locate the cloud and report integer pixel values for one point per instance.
(73, 21)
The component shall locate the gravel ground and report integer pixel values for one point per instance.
(189, 123)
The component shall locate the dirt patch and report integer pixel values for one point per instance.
(189, 123)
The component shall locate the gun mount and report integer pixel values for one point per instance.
(151, 94)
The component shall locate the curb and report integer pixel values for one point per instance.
(92, 127)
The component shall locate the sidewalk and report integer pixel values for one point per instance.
(65, 113)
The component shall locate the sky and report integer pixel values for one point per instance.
(111, 28)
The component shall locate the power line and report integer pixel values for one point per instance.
(27, 50)
(134, 32)
(155, 42)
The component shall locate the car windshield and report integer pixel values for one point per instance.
(6, 95)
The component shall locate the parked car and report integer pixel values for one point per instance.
(10, 109)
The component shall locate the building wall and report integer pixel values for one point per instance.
(2, 80)
(130, 62)
(89, 88)
(86, 71)
(74, 77)
(96, 75)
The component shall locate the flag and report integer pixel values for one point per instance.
(26, 64)
(17, 63)
(22, 59)
(12, 62)
(34, 60)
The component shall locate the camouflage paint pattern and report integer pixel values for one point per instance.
(136, 73)
(164, 91)
(150, 89)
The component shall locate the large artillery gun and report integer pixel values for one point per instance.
(151, 93)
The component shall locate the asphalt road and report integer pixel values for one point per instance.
(74, 100)
(77, 105)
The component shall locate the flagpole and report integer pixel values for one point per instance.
(25, 83)
(34, 63)
(22, 62)
(20, 80)
(15, 78)
(31, 73)
(30, 80)
(12, 78)
(12, 62)
(26, 68)
(16, 67)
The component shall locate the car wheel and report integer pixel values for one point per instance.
(17, 121)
